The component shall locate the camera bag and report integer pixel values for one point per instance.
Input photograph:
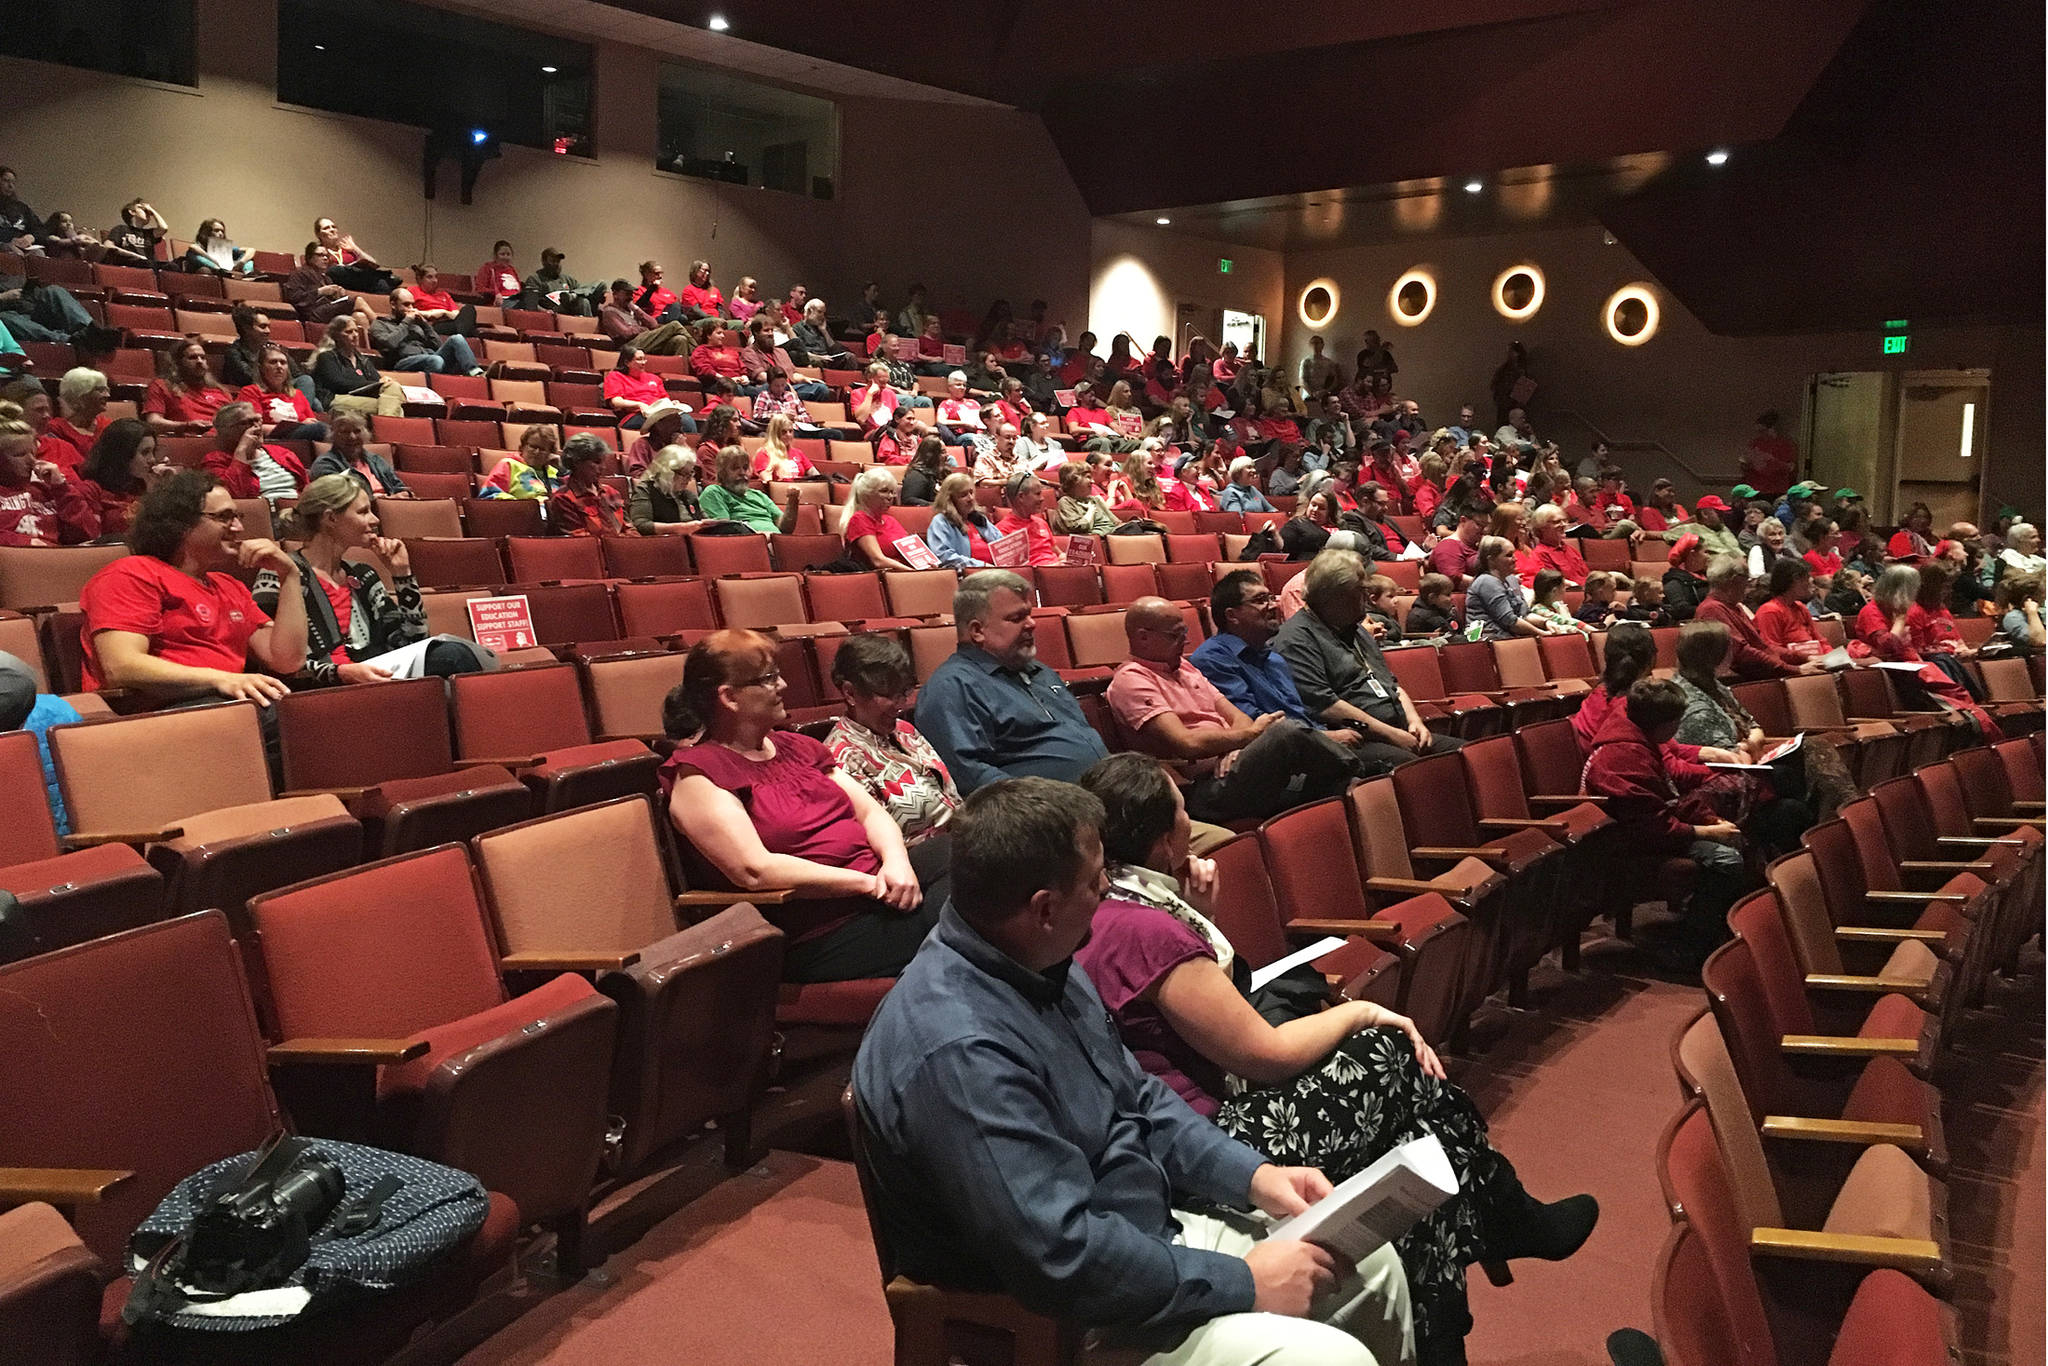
(398, 1218)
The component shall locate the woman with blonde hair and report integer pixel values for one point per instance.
(960, 530)
(351, 618)
(870, 532)
(1136, 492)
(1081, 511)
(776, 462)
(1124, 418)
(663, 500)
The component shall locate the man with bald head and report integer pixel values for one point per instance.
(403, 340)
(1230, 766)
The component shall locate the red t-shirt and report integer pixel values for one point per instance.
(343, 601)
(706, 300)
(1788, 626)
(188, 405)
(203, 623)
(64, 445)
(889, 451)
(500, 282)
(1078, 418)
(717, 362)
(434, 301)
(1074, 369)
(641, 388)
(885, 529)
(655, 302)
(1038, 539)
(289, 406)
(1653, 518)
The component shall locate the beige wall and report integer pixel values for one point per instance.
(1139, 276)
(87, 142)
(1694, 392)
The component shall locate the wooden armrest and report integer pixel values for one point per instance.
(549, 961)
(1861, 1132)
(1563, 799)
(1874, 934)
(346, 1050)
(347, 794)
(1870, 986)
(767, 896)
(1524, 823)
(2031, 807)
(1941, 866)
(1379, 931)
(1404, 886)
(1913, 1255)
(92, 840)
(60, 1186)
(1976, 842)
(1451, 853)
(2006, 822)
(1915, 898)
(515, 761)
(1843, 1046)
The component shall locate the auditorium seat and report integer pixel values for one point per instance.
(646, 557)
(1247, 912)
(717, 556)
(431, 459)
(134, 1061)
(626, 693)
(1874, 918)
(1868, 696)
(696, 1000)
(1123, 584)
(1468, 669)
(499, 517)
(544, 559)
(533, 721)
(845, 597)
(569, 613)
(61, 897)
(921, 592)
(1135, 549)
(456, 562)
(1419, 672)
(50, 576)
(1499, 793)
(664, 607)
(1320, 892)
(760, 602)
(410, 519)
(511, 1089)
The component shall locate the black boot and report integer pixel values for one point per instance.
(1523, 1226)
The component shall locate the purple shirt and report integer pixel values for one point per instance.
(1129, 951)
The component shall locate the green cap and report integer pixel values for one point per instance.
(1847, 495)
(1742, 491)
(1802, 487)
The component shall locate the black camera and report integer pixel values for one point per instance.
(254, 1233)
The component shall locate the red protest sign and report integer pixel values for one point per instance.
(501, 623)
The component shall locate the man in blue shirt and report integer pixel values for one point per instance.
(991, 710)
(1239, 660)
(1012, 1144)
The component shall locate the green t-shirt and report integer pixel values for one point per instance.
(753, 507)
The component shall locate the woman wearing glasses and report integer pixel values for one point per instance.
(172, 621)
(761, 807)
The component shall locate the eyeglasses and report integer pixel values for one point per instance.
(232, 517)
(766, 680)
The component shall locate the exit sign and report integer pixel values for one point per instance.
(1897, 345)
(1223, 265)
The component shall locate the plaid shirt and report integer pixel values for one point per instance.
(601, 511)
(767, 405)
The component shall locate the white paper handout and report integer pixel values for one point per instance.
(1379, 1204)
(1261, 976)
(1764, 761)
(1837, 658)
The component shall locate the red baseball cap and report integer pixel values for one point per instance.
(1712, 503)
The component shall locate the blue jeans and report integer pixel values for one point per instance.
(50, 313)
(454, 357)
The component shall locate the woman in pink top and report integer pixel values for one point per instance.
(743, 304)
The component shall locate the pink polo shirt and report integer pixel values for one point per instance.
(1140, 690)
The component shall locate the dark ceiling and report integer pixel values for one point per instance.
(1888, 155)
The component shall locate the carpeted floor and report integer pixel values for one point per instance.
(774, 1266)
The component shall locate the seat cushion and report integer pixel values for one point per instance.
(235, 822)
(850, 1004)
(379, 801)
(1887, 1092)
(99, 863)
(1886, 1196)
(457, 1036)
(1911, 961)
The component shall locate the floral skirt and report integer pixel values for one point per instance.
(1366, 1098)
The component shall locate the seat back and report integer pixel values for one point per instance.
(537, 878)
(147, 772)
(1097, 638)
(923, 592)
(1942, 791)
(640, 557)
(538, 559)
(1909, 818)
(2005, 680)
(503, 517)
(1551, 757)
(456, 563)
(1691, 1316)
(1567, 656)
(1766, 701)
(758, 603)
(665, 607)
(1435, 802)
(1467, 666)
(1751, 1031)
(2023, 773)
(1811, 911)
(716, 556)
(1696, 1182)
(410, 518)
(1778, 934)
(136, 1052)
(1135, 549)
(1379, 842)
(565, 613)
(1709, 1069)
(1246, 909)
(516, 712)
(1419, 672)
(1307, 880)
(1836, 862)
(27, 830)
(49, 576)
(359, 737)
(1868, 692)
(327, 948)
(1864, 819)
(626, 694)
(1813, 700)
(1980, 775)
(844, 597)
(1493, 773)
(1519, 663)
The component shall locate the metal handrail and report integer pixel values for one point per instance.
(1658, 447)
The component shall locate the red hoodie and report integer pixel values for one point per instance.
(1642, 786)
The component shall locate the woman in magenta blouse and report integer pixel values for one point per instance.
(1334, 1085)
(762, 807)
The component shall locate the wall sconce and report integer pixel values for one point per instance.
(1630, 315)
(1318, 302)
(1518, 293)
(1412, 298)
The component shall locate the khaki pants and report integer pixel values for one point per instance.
(1365, 1321)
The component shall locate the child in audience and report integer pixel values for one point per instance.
(1849, 594)
(1547, 606)
(1432, 613)
(1598, 611)
(1380, 609)
(1646, 604)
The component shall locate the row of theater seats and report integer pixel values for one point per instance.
(1805, 1174)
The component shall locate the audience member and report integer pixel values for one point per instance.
(1547, 607)
(351, 456)
(172, 622)
(312, 295)
(999, 461)
(245, 463)
(351, 617)
(875, 747)
(213, 252)
(1012, 1146)
(24, 706)
(1234, 765)
(1714, 719)
(121, 466)
(1598, 610)
(405, 341)
(1685, 582)
(921, 477)
(498, 278)
(1328, 1083)
(816, 341)
(663, 500)
(1783, 621)
(655, 298)
(39, 503)
(1456, 556)
(133, 241)
(762, 807)
(628, 324)
(438, 306)
(1552, 549)
(991, 709)
(1494, 600)
(83, 395)
(183, 398)
(2022, 551)
(1751, 656)
(531, 472)
(870, 532)
(239, 363)
(1025, 497)
(2019, 617)
(1339, 671)
(960, 531)
(350, 264)
(732, 499)
(1081, 510)
(280, 404)
(1911, 543)
(661, 423)
(1433, 613)
(585, 505)
(630, 388)
(346, 376)
(552, 289)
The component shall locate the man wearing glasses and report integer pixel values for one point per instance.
(172, 620)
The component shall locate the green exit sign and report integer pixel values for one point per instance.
(1223, 265)
(1898, 345)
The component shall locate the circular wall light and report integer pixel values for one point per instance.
(1631, 315)
(1518, 293)
(1318, 302)
(1412, 297)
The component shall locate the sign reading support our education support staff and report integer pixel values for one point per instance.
(501, 624)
